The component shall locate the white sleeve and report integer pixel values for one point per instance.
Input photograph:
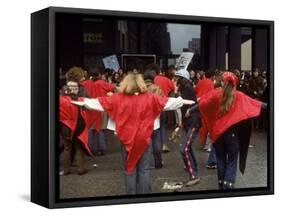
(93, 104)
(174, 104)
(156, 123)
(111, 125)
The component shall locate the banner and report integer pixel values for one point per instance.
(111, 62)
(184, 60)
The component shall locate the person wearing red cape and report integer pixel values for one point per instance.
(204, 86)
(134, 111)
(227, 113)
(74, 124)
(96, 87)
(167, 86)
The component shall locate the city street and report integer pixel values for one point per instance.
(107, 177)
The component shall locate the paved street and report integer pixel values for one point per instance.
(107, 178)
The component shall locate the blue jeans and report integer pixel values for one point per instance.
(163, 130)
(138, 182)
(227, 149)
(212, 157)
(187, 152)
(101, 145)
(156, 147)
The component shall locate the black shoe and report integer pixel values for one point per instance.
(220, 183)
(159, 166)
(228, 185)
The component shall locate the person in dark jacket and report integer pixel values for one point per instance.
(191, 125)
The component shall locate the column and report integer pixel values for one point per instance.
(234, 43)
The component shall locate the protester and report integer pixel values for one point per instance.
(191, 125)
(134, 111)
(256, 89)
(203, 87)
(149, 76)
(167, 86)
(226, 112)
(116, 78)
(96, 87)
(193, 78)
(75, 122)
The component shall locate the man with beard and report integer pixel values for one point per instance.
(74, 123)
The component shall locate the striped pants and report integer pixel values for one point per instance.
(187, 153)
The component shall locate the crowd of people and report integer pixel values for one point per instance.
(219, 107)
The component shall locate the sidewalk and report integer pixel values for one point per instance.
(107, 178)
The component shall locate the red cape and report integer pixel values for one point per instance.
(243, 108)
(203, 87)
(165, 84)
(96, 89)
(69, 117)
(134, 116)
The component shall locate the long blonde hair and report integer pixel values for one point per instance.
(132, 83)
(228, 97)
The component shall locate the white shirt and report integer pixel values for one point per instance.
(172, 104)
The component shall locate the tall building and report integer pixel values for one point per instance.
(194, 45)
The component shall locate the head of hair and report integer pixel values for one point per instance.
(75, 74)
(209, 74)
(227, 97)
(181, 83)
(94, 73)
(199, 74)
(132, 83)
(153, 67)
(107, 71)
(116, 77)
(149, 74)
(170, 72)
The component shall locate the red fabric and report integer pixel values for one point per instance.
(134, 116)
(243, 108)
(96, 89)
(204, 86)
(229, 76)
(88, 85)
(165, 84)
(69, 117)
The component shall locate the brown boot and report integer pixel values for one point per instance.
(82, 172)
(67, 157)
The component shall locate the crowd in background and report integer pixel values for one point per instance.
(253, 83)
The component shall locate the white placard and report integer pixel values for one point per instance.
(111, 62)
(184, 60)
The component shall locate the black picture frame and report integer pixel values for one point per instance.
(44, 114)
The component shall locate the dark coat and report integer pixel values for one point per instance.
(194, 120)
